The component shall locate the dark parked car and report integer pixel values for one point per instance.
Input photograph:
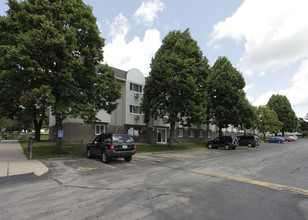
(274, 140)
(248, 140)
(112, 145)
(228, 142)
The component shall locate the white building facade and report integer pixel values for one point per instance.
(128, 118)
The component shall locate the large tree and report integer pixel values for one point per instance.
(50, 57)
(226, 96)
(281, 105)
(267, 120)
(176, 84)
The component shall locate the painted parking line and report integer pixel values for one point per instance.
(279, 187)
(107, 165)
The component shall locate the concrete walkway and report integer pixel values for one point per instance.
(14, 162)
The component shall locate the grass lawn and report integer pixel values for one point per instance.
(49, 150)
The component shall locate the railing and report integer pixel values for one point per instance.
(31, 147)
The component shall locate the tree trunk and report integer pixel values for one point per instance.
(38, 125)
(37, 129)
(264, 136)
(220, 130)
(172, 127)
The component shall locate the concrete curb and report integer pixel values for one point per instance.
(22, 167)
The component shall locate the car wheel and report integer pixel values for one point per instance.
(128, 158)
(250, 145)
(210, 146)
(89, 155)
(280, 142)
(227, 147)
(105, 158)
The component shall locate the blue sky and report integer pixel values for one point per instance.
(266, 40)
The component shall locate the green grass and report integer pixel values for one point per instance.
(51, 151)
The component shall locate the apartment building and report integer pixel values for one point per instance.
(128, 118)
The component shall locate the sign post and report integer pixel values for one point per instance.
(60, 136)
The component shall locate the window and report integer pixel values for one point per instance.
(209, 134)
(180, 133)
(200, 134)
(135, 87)
(99, 129)
(161, 136)
(191, 133)
(135, 109)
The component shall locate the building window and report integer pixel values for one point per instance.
(180, 133)
(99, 129)
(209, 134)
(135, 87)
(200, 134)
(161, 136)
(135, 109)
(191, 133)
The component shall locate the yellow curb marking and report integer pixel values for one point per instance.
(85, 169)
(101, 163)
(256, 182)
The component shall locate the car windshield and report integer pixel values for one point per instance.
(122, 138)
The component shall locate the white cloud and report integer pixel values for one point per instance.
(263, 99)
(247, 87)
(298, 93)
(147, 12)
(119, 27)
(275, 33)
(134, 54)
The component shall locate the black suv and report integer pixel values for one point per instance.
(248, 140)
(228, 142)
(112, 145)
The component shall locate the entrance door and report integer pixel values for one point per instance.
(161, 135)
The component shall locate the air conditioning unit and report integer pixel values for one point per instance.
(136, 117)
(136, 95)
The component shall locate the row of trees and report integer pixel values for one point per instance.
(49, 56)
(183, 86)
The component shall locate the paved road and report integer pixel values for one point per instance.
(269, 182)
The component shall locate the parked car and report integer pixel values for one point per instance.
(274, 140)
(228, 142)
(293, 137)
(287, 139)
(111, 145)
(248, 140)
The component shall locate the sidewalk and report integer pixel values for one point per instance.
(14, 162)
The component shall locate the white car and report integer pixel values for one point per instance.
(293, 137)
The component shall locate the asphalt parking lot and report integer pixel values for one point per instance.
(268, 182)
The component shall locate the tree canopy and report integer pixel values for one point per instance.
(281, 105)
(226, 97)
(176, 86)
(267, 120)
(50, 54)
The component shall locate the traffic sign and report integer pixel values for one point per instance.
(60, 133)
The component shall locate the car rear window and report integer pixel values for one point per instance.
(122, 138)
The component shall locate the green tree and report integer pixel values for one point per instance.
(50, 57)
(226, 96)
(248, 116)
(267, 120)
(303, 124)
(176, 84)
(281, 105)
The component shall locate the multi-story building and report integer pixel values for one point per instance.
(128, 118)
